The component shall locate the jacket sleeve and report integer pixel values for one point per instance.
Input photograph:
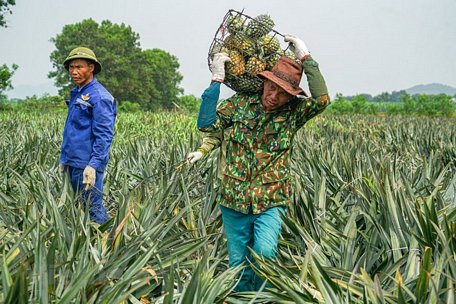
(104, 115)
(212, 118)
(319, 100)
(207, 112)
(211, 141)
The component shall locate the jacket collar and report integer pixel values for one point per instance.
(77, 89)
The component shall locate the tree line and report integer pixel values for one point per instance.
(150, 80)
(403, 103)
(146, 79)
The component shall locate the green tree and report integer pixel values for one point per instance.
(148, 77)
(5, 8)
(340, 105)
(5, 72)
(189, 103)
(5, 78)
(163, 69)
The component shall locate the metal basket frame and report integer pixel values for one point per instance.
(222, 33)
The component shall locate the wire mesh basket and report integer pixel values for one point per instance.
(253, 46)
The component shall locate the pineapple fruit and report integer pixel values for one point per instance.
(271, 61)
(243, 44)
(247, 84)
(255, 65)
(253, 48)
(235, 24)
(259, 26)
(291, 55)
(236, 66)
(269, 44)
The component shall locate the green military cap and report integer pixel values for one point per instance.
(83, 53)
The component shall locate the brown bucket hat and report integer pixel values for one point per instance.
(286, 74)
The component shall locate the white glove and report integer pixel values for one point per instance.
(89, 176)
(62, 169)
(193, 157)
(297, 46)
(218, 66)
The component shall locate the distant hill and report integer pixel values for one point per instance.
(431, 89)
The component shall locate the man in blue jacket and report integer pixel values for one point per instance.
(88, 133)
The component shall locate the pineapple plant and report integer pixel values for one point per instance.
(259, 26)
(161, 233)
(255, 65)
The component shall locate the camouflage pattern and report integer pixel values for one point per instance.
(258, 144)
(257, 172)
(212, 141)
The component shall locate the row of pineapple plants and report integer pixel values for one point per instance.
(373, 219)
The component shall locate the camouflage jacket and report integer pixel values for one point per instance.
(257, 171)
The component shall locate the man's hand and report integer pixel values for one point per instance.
(62, 169)
(193, 157)
(218, 66)
(89, 176)
(297, 46)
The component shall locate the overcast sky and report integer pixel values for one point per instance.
(363, 46)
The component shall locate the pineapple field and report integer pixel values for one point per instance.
(373, 218)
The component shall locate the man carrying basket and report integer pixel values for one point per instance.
(256, 187)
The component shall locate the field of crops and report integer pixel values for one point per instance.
(373, 219)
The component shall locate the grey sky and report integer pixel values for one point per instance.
(363, 46)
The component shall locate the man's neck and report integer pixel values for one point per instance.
(84, 84)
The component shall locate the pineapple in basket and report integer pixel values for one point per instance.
(272, 60)
(236, 66)
(259, 26)
(255, 65)
(269, 44)
(235, 24)
(291, 55)
(247, 84)
(243, 44)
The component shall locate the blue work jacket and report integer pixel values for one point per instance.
(89, 127)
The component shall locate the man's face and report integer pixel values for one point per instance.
(274, 96)
(81, 71)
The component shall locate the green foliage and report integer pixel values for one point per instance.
(395, 96)
(35, 104)
(372, 220)
(161, 67)
(128, 107)
(5, 8)
(5, 78)
(189, 103)
(5, 72)
(148, 77)
(432, 105)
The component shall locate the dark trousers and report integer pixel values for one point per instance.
(93, 196)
